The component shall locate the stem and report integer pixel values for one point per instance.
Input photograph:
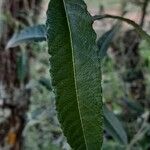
(139, 30)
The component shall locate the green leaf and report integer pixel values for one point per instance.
(139, 30)
(133, 105)
(114, 127)
(105, 40)
(76, 75)
(46, 83)
(113, 146)
(35, 33)
(22, 66)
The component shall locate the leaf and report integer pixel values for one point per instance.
(133, 105)
(139, 30)
(105, 40)
(113, 146)
(114, 127)
(46, 83)
(22, 66)
(35, 33)
(75, 70)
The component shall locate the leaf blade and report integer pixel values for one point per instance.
(105, 40)
(79, 108)
(35, 33)
(114, 127)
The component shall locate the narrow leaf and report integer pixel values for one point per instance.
(113, 146)
(22, 66)
(46, 83)
(139, 30)
(133, 105)
(114, 127)
(36, 33)
(105, 40)
(75, 70)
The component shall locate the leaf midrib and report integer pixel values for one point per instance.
(74, 72)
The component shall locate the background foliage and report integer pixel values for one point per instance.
(125, 92)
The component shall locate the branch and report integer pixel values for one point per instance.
(139, 30)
